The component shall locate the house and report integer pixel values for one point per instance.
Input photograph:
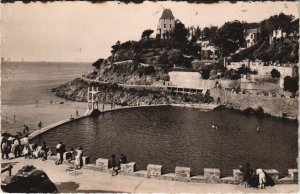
(210, 52)
(166, 24)
(251, 37)
(277, 34)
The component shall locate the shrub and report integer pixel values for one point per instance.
(275, 73)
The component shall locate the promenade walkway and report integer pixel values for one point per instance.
(83, 180)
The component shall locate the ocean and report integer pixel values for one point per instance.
(23, 83)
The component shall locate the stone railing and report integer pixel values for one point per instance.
(211, 175)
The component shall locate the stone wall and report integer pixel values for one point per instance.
(194, 80)
(261, 86)
(275, 106)
(211, 175)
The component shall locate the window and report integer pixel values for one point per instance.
(164, 25)
(170, 25)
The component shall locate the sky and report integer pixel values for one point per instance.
(85, 32)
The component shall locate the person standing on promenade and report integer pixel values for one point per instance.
(123, 159)
(113, 165)
(261, 178)
(246, 174)
(17, 144)
(44, 151)
(77, 114)
(58, 147)
(5, 148)
(78, 158)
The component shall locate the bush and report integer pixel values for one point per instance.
(290, 84)
(275, 73)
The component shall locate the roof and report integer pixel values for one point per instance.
(167, 13)
(251, 31)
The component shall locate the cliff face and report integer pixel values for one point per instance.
(76, 90)
(130, 72)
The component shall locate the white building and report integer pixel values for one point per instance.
(210, 52)
(166, 24)
(251, 37)
(277, 34)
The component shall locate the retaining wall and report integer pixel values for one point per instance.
(275, 106)
(210, 175)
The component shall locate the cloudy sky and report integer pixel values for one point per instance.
(82, 31)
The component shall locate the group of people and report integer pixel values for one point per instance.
(115, 163)
(69, 155)
(11, 144)
(257, 179)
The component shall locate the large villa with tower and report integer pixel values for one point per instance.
(166, 24)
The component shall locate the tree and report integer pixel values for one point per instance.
(243, 70)
(210, 33)
(98, 63)
(290, 84)
(275, 73)
(147, 33)
(205, 73)
(116, 47)
(230, 37)
(180, 32)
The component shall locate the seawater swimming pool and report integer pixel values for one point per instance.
(175, 136)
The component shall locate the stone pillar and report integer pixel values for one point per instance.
(153, 170)
(294, 174)
(237, 176)
(85, 160)
(182, 172)
(128, 168)
(212, 174)
(102, 163)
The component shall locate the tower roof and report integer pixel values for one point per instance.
(167, 13)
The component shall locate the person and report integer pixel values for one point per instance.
(103, 106)
(14, 118)
(37, 152)
(71, 117)
(40, 125)
(246, 174)
(24, 129)
(261, 178)
(17, 144)
(77, 114)
(27, 150)
(258, 129)
(44, 151)
(5, 148)
(58, 147)
(49, 153)
(78, 158)
(69, 155)
(113, 165)
(123, 159)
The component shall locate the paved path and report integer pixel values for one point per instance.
(68, 180)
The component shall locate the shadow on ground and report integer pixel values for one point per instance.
(66, 187)
(71, 187)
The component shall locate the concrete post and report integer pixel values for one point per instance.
(211, 174)
(153, 170)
